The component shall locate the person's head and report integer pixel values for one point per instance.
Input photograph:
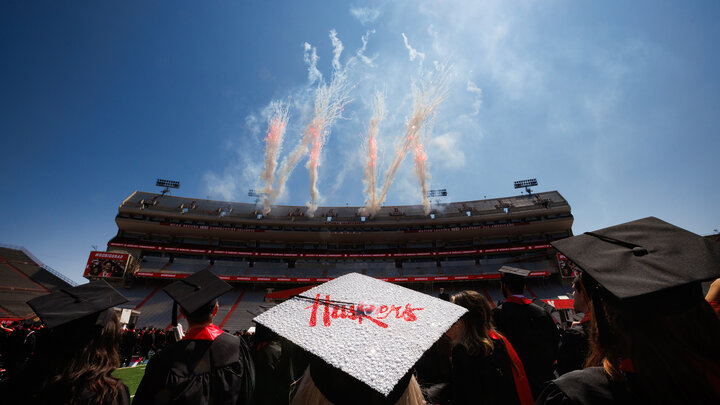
(579, 296)
(473, 328)
(80, 350)
(512, 284)
(671, 349)
(307, 393)
(203, 315)
(197, 296)
(650, 319)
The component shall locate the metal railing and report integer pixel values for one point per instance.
(40, 263)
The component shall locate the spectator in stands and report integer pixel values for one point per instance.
(207, 365)
(654, 338)
(78, 352)
(530, 329)
(443, 295)
(573, 348)
(713, 296)
(485, 367)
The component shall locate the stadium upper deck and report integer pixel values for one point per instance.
(179, 219)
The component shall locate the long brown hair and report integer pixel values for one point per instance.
(673, 355)
(80, 359)
(478, 322)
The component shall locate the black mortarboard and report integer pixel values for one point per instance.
(505, 270)
(646, 257)
(196, 290)
(69, 304)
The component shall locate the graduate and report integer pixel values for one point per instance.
(653, 337)
(363, 336)
(573, 349)
(207, 366)
(530, 329)
(77, 353)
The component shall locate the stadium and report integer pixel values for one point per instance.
(268, 258)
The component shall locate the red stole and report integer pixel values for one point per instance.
(210, 332)
(515, 299)
(522, 386)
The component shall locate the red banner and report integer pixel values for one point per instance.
(566, 267)
(561, 303)
(328, 255)
(491, 276)
(467, 228)
(106, 264)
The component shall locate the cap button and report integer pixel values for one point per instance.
(639, 251)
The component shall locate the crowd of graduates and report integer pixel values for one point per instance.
(647, 335)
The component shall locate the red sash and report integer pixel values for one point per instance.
(522, 386)
(518, 300)
(210, 332)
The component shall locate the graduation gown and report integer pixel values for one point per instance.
(573, 348)
(531, 331)
(483, 379)
(207, 366)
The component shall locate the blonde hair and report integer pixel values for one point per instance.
(308, 394)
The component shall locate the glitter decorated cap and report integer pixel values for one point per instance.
(644, 259)
(196, 290)
(69, 304)
(370, 330)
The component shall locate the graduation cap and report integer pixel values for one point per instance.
(194, 291)
(647, 261)
(365, 334)
(508, 270)
(69, 304)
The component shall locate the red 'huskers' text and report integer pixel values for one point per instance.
(359, 312)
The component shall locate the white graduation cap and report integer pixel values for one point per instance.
(370, 329)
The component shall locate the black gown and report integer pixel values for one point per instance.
(573, 349)
(483, 379)
(593, 386)
(532, 333)
(197, 372)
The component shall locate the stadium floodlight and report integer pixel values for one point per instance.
(256, 195)
(437, 193)
(526, 184)
(168, 184)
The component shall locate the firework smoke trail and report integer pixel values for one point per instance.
(425, 101)
(370, 179)
(330, 99)
(421, 172)
(277, 123)
(329, 103)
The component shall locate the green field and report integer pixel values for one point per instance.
(131, 376)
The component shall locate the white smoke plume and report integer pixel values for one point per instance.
(310, 57)
(412, 52)
(330, 99)
(370, 178)
(277, 124)
(426, 98)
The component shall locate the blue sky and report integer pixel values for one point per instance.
(614, 104)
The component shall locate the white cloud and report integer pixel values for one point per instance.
(365, 15)
(447, 150)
